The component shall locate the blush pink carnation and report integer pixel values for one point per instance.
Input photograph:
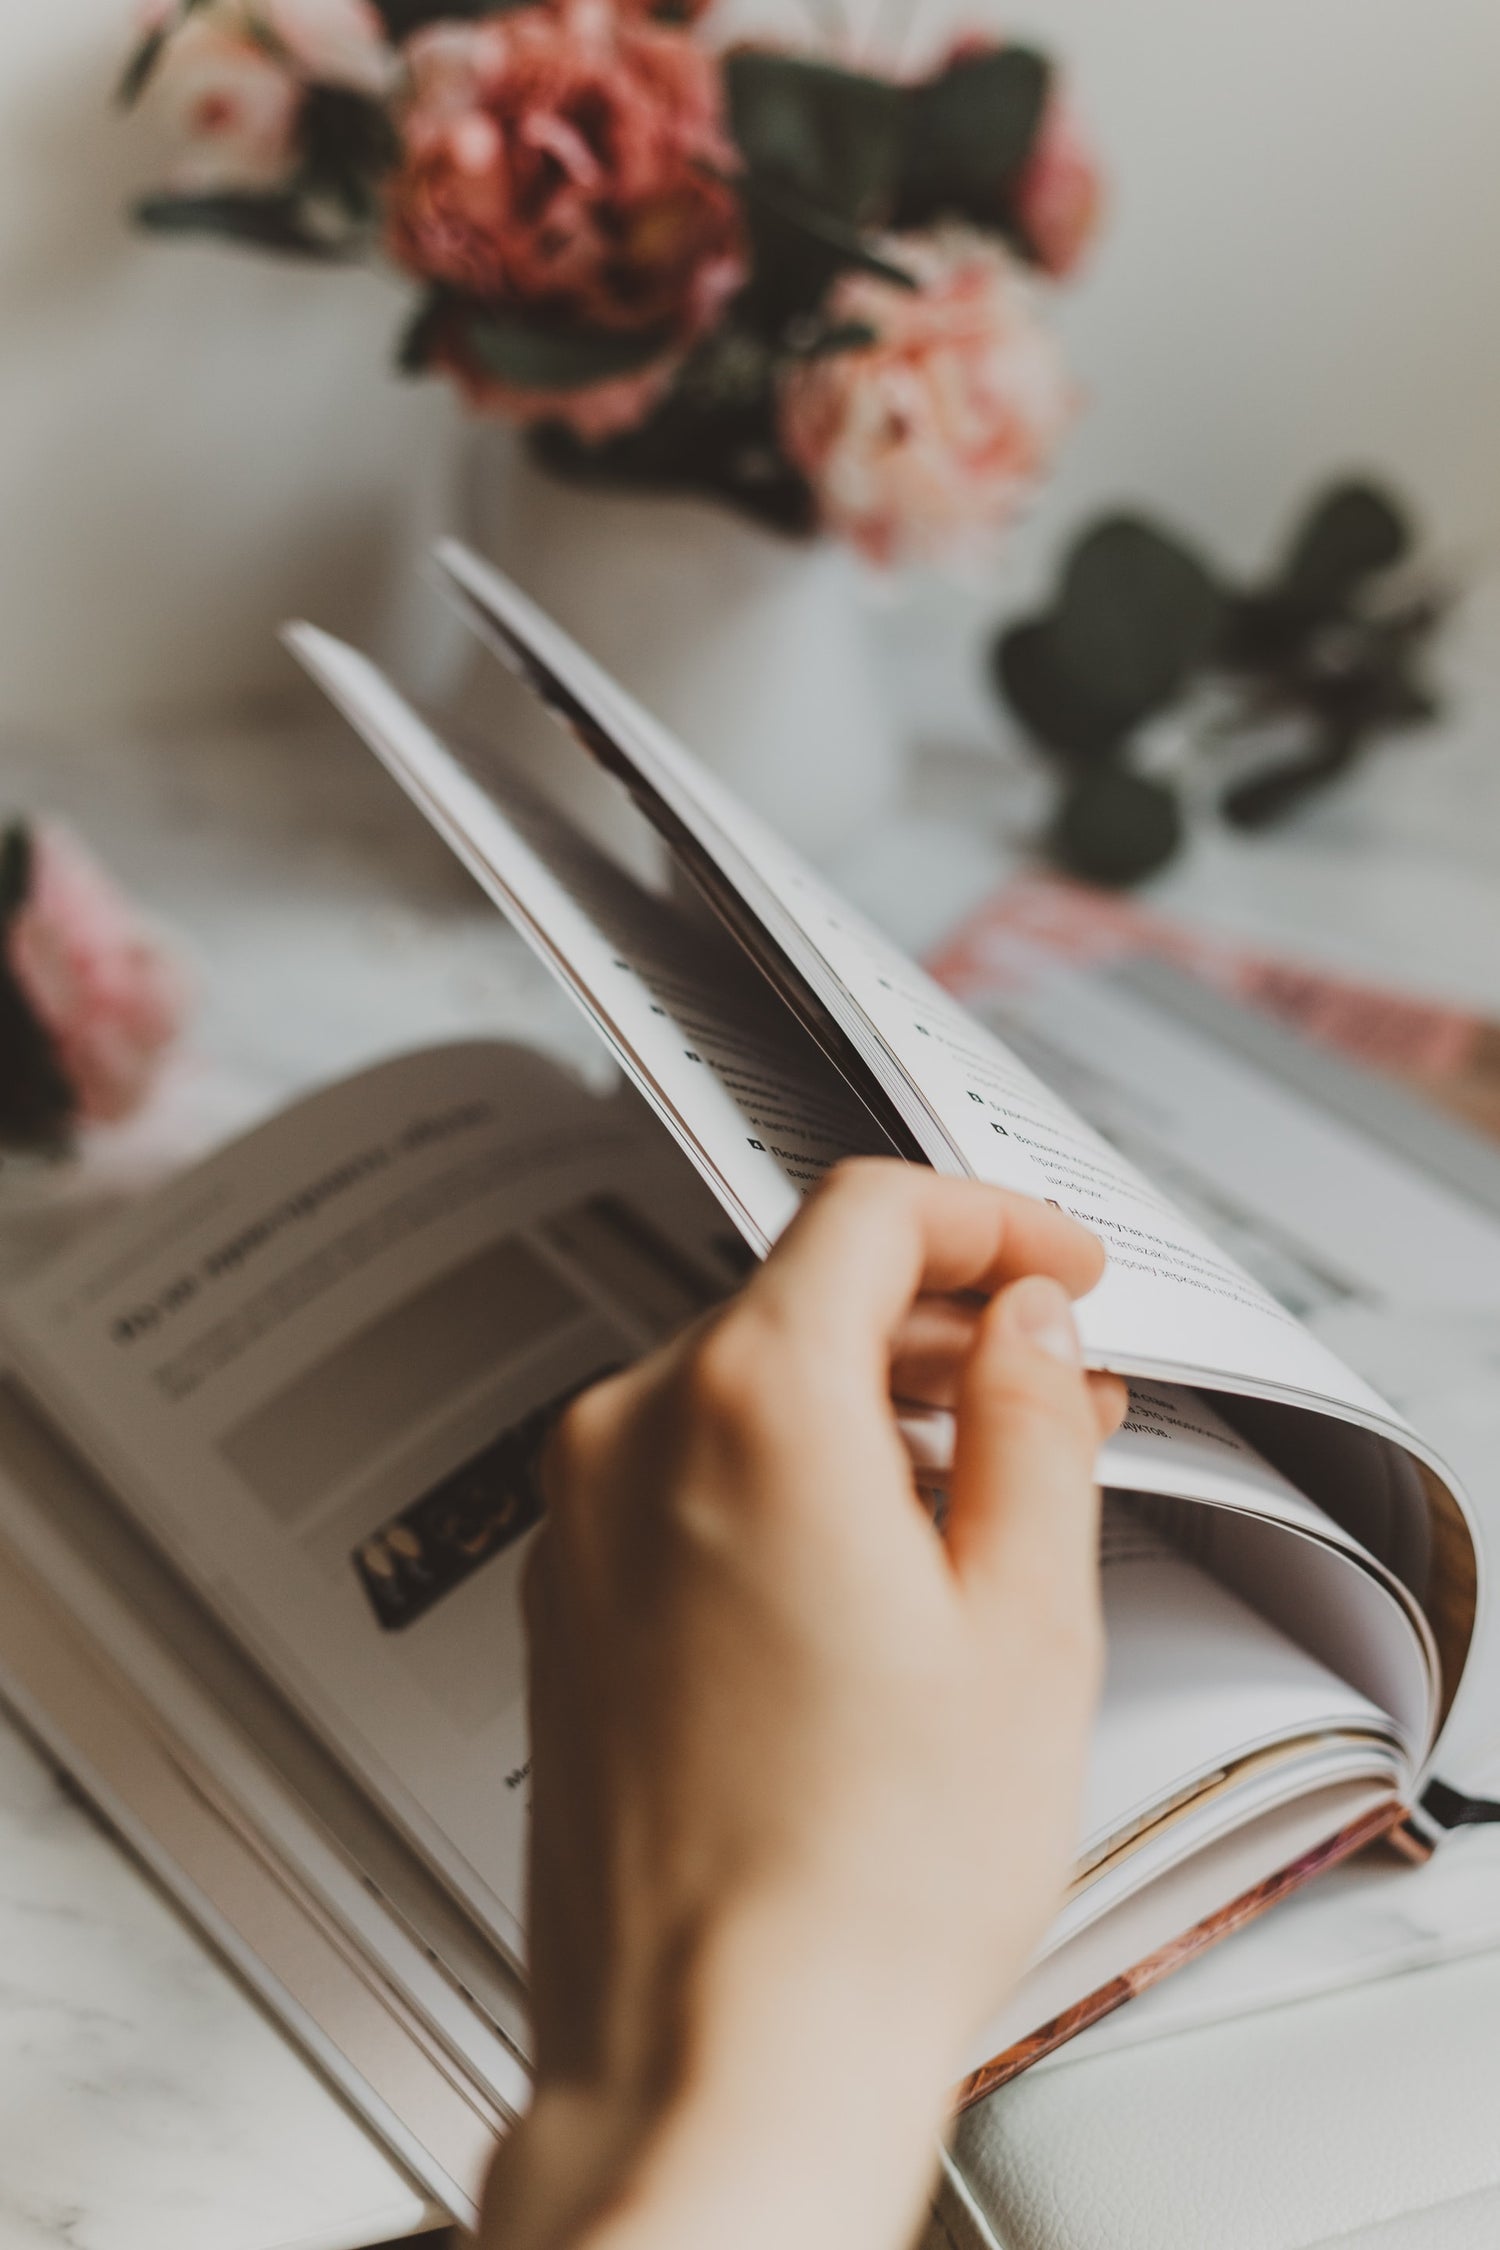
(230, 105)
(933, 435)
(568, 164)
(233, 76)
(1059, 196)
(108, 994)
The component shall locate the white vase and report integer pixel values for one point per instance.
(755, 649)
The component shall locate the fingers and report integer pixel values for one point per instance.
(1023, 1508)
(880, 1234)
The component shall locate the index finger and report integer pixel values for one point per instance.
(879, 1233)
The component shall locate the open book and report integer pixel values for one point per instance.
(309, 1379)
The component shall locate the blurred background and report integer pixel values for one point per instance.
(1297, 274)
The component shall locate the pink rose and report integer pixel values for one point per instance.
(108, 995)
(568, 164)
(1059, 195)
(934, 434)
(231, 106)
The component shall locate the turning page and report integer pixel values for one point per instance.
(738, 1083)
(1172, 1303)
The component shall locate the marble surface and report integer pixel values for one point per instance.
(144, 2100)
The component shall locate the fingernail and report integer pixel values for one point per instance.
(1039, 1309)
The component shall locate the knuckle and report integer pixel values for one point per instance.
(725, 1378)
(581, 1438)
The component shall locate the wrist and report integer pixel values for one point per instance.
(804, 2105)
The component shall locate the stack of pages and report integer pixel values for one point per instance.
(267, 1446)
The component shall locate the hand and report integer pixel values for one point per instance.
(805, 1774)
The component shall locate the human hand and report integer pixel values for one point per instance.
(805, 1774)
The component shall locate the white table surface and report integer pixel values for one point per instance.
(143, 2097)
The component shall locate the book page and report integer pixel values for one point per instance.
(1171, 1303)
(317, 1368)
(739, 1084)
(1198, 1683)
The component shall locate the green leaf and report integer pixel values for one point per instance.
(969, 131)
(798, 250)
(1052, 704)
(15, 868)
(834, 136)
(261, 222)
(1137, 616)
(1351, 533)
(538, 358)
(1116, 827)
(349, 143)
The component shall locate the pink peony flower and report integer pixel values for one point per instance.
(230, 104)
(1060, 194)
(568, 163)
(109, 996)
(934, 434)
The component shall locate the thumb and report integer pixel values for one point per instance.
(1023, 1513)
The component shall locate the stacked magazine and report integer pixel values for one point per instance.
(268, 1443)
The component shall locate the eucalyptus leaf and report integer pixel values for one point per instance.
(1351, 533)
(537, 358)
(1137, 615)
(834, 136)
(1052, 703)
(969, 132)
(1116, 827)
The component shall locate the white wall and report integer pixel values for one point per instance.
(192, 442)
(1300, 272)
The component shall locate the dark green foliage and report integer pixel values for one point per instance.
(402, 17)
(348, 144)
(1116, 827)
(535, 357)
(796, 251)
(1137, 615)
(715, 434)
(833, 137)
(969, 132)
(279, 222)
(1139, 621)
(36, 1102)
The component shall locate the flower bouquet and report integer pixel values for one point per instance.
(803, 287)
